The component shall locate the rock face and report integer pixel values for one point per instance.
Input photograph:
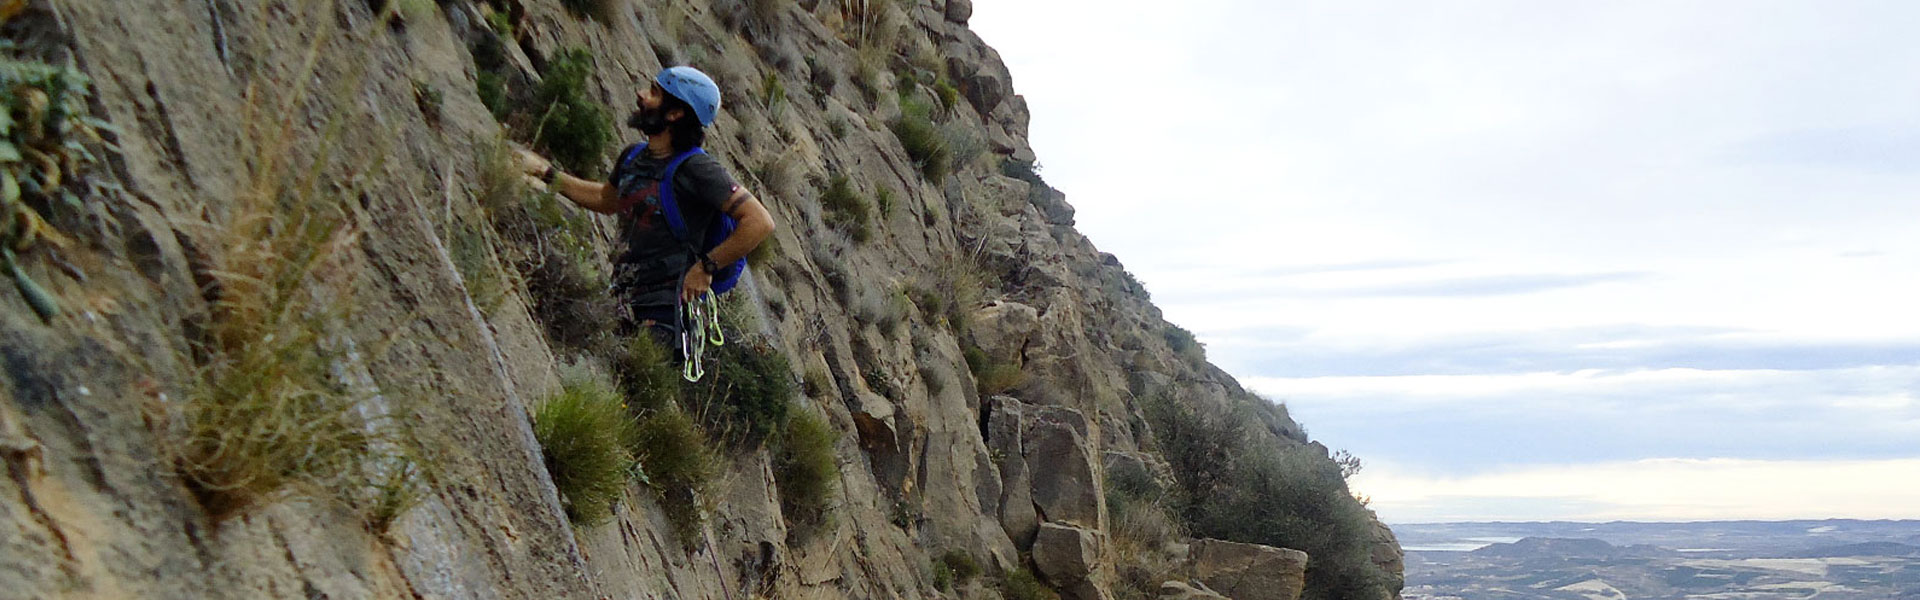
(1389, 557)
(392, 118)
(1249, 571)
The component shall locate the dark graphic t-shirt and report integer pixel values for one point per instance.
(651, 260)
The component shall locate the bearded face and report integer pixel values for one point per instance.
(650, 121)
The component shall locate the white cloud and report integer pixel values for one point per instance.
(1670, 489)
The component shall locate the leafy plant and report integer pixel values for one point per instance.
(568, 124)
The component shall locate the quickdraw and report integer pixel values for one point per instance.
(700, 325)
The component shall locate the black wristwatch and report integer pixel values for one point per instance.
(706, 263)
(551, 175)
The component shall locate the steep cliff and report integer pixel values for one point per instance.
(281, 321)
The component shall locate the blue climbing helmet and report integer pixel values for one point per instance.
(694, 88)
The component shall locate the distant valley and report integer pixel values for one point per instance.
(1727, 560)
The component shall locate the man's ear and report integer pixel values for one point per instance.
(675, 114)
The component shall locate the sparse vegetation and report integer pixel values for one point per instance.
(550, 244)
(806, 469)
(846, 209)
(883, 198)
(648, 375)
(1020, 584)
(925, 141)
(1183, 343)
(585, 437)
(679, 466)
(991, 375)
(492, 89)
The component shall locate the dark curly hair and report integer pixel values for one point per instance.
(687, 132)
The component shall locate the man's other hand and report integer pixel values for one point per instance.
(696, 284)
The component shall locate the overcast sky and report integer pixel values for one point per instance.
(1528, 259)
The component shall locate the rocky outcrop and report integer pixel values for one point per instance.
(1389, 557)
(391, 128)
(1249, 571)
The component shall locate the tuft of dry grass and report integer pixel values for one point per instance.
(585, 436)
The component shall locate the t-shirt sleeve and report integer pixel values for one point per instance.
(702, 179)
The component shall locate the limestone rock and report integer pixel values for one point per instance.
(1065, 554)
(1007, 447)
(1249, 571)
(1066, 487)
(958, 11)
(1001, 329)
(1389, 557)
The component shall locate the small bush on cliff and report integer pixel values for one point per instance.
(584, 435)
(1020, 584)
(648, 374)
(567, 123)
(806, 469)
(746, 393)
(926, 143)
(846, 209)
(679, 466)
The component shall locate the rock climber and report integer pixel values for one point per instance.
(655, 271)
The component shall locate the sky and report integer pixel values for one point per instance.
(1529, 260)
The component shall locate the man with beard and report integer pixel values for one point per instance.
(656, 271)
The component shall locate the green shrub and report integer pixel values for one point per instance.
(846, 209)
(746, 393)
(1183, 343)
(923, 140)
(648, 374)
(961, 564)
(949, 95)
(772, 93)
(679, 466)
(942, 575)
(568, 124)
(883, 197)
(492, 89)
(585, 436)
(1020, 584)
(806, 469)
(963, 145)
